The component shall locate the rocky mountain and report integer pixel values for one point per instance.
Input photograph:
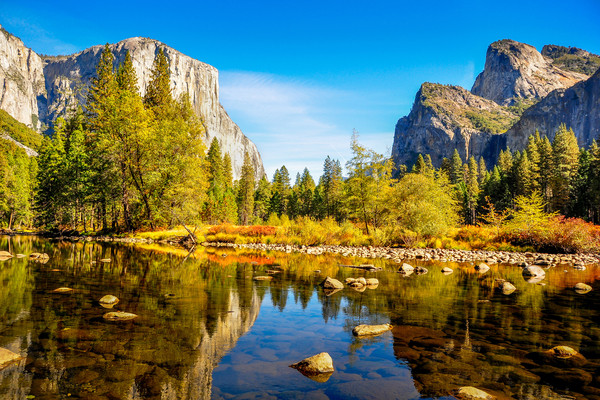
(51, 86)
(516, 71)
(519, 91)
(449, 117)
(578, 107)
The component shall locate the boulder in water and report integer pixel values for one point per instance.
(370, 330)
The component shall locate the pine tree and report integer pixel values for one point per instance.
(246, 191)
(159, 93)
(331, 188)
(227, 171)
(456, 168)
(523, 176)
(565, 155)
(262, 199)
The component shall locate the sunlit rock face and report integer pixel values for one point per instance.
(36, 90)
(22, 82)
(516, 70)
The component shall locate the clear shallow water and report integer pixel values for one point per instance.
(206, 329)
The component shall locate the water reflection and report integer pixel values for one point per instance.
(207, 329)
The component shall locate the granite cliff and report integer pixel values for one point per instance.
(516, 71)
(519, 91)
(22, 82)
(36, 90)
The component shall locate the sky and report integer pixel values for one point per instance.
(299, 77)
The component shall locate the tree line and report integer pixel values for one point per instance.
(130, 162)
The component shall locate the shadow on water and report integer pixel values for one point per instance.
(207, 329)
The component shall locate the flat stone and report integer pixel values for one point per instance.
(447, 271)
(262, 278)
(105, 260)
(119, 316)
(62, 290)
(472, 393)
(371, 330)
(5, 255)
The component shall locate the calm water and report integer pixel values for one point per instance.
(206, 329)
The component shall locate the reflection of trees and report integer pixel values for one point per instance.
(172, 349)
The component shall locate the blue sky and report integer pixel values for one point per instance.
(299, 76)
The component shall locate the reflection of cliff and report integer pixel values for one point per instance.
(169, 352)
(197, 381)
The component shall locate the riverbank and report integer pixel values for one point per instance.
(442, 255)
(396, 254)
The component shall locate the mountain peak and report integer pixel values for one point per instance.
(515, 70)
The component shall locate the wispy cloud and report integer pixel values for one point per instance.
(294, 123)
(37, 38)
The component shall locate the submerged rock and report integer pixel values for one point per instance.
(105, 260)
(7, 356)
(421, 270)
(582, 288)
(262, 278)
(472, 393)
(371, 330)
(62, 290)
(108, 301)
(332, 283)
(317, 364)
(119, 316)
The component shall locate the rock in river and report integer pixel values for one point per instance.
(371, 330)
(507, 287)
(119, 316)
(406, 269)
(317, 364)
(108, 301)
(5, 255)
(262, 278)
(582, 288)
(7, 356)
(482, 268)
(472, 393)
(331, 283)
(447, 271)
(533, 271)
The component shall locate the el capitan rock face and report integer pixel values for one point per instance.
(22, 83)
(44, 88)
(486, 120)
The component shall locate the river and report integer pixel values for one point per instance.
(206, 329)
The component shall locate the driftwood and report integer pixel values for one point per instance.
(191, 235)
(365, 267)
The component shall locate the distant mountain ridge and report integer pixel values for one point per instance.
(37, 89)
(520, 90)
